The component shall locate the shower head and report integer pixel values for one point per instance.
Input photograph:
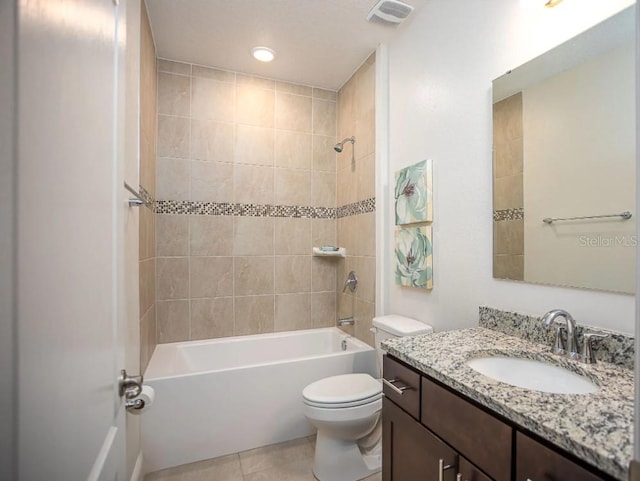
(338, 147)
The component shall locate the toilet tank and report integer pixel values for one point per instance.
(393, 326)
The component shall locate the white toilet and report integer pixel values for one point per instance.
(346, 409)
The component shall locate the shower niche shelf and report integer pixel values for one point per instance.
(326, 251)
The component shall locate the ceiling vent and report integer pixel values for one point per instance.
(389, 12)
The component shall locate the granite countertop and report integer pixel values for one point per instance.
(596, 428)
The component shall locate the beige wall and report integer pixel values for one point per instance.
(148, 96)
(566, 176)
(231, 148)
(355, 185)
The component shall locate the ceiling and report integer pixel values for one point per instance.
(317, 42)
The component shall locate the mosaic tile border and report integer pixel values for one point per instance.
(508, 214)
(616, 349)
(262, 210)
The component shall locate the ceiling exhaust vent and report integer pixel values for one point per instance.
(389, 11)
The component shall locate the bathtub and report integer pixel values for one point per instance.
(222, 396)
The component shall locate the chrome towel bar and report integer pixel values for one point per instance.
(136, 201)
(625, 215)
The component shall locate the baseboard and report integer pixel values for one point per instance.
(137, 469)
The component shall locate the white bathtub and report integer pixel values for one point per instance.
(222, 396)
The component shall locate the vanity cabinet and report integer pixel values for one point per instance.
(448, 438)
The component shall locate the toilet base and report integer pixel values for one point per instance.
(339, 460)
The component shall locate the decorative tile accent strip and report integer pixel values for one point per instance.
(262, 210)
(360, 207)
(508, 214)
(616, 349)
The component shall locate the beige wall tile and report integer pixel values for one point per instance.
(347, 110)
(347, 235)
(508, 192)
(323, 189)
(324, 232)
(173, 179)
(173, 321)
(508, 158)
(366, 271)
(292, 274)
(292, 236)
(258, 82)
(506, 266)
(366, 87)
(213, 73)
(364, 312)
(324, 117)
(211, 276)
(508, 237)
(325, 94)
(293, 312)
(323, 309)
(323, 274)
(211, 181)
(212, 140)
(173, 67)
(254, 145)
(148, 162)
(254, 315)
(174, 94)
(253, 236)
(345, 307)
(211, 235)
(212, 100)
(293, 187)
(172, 235)
(146, 239)
(296, 89)
(173, 137)
(366, 238)
(293, 112)
(366, 177)
(324, 157)
(365, 134)
(507, 118)
(147, 291)
(172, 278)
(148, 337)
(253, 185)
(253, 275)
(293, 149)
(211, 318)
(347, 187)
(255, 106)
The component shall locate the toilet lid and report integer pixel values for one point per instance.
(346, 388)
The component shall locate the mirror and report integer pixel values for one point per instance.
(564, 163)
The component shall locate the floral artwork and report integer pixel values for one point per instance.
(414, 257)
(414, 194)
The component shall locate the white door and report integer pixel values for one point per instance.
(70, 204)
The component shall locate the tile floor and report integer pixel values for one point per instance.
(289, 461)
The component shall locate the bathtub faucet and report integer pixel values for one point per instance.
(346, 321)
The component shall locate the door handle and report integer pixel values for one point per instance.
(129, 386)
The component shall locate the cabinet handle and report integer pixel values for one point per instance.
(398, 390)
(459, 477)
(442, 468)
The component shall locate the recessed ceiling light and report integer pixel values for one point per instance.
(264, 54)
(552, 3)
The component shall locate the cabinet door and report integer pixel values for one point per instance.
(535, 462)
(409, 451)
(468, 472)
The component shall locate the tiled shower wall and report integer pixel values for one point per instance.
(246, 185)
(356, 196)
(147, 239)
(508, 197)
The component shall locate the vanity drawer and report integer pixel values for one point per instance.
(477, 435)
(407, 381)
(536, 462)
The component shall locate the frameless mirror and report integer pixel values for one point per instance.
(564, 163)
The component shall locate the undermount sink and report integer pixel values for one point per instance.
(532, 374)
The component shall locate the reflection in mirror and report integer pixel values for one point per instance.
(564, 147)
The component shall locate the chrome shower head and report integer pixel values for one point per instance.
(339, 146)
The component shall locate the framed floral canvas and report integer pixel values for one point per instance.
(414, 257)
(413, 193)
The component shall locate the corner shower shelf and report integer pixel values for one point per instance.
(320, 252)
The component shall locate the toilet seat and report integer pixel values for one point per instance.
(347, 390)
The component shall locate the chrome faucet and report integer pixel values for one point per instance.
(351, 283)
(571, 350)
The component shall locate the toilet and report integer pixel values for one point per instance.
(346, 411)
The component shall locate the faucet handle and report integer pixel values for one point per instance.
(588, 354)
(560, 345)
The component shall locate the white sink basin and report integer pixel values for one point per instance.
(534, 375)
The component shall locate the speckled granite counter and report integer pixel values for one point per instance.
(596, 428)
